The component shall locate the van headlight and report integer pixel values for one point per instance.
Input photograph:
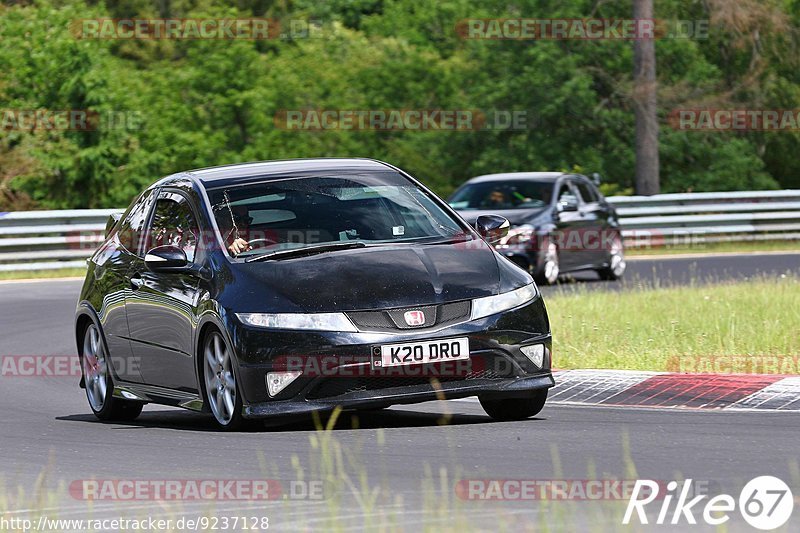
(520, 235)
(312, 321)
(490, 305)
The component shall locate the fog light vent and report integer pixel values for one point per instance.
(534, 352)
(277, 381)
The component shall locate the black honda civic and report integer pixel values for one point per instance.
(291, 287)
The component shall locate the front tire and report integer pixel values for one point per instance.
(508, 409)
(547, 272)
(95, 366)
(221, 389)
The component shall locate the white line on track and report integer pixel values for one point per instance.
(701, 255)
(36, 280)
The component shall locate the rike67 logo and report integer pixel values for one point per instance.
(765, 503)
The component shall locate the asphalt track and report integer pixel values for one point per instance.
(409, 457)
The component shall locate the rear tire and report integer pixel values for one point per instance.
(616, 262)
(95, 366)
(507, 409)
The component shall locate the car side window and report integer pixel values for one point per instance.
(174, 224)
(586, 192)
(131, 230)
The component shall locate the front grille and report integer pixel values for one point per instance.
(371, 320)
(394, 319)
(333, 387)
(455, 311)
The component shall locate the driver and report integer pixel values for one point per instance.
(497, 199)
(238, 246)
(242, 219)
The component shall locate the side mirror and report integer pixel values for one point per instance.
(570, 203)
(165, 259)
(112, 221)
(492, 227)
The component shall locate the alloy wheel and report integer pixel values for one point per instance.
(95, 368)
(220, 379)
(617, 258)
(551, 268)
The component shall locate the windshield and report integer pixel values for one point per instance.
(490, 195)
(294, 213)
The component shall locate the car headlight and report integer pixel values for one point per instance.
(490, 305)
(314, 321)
(519, 235)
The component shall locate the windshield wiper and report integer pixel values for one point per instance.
(307, 250)
(452, 239)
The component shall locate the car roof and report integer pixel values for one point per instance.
(548, 177)
(244, 172)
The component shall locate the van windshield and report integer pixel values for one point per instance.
(489, 195)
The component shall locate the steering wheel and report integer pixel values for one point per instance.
(250, 243)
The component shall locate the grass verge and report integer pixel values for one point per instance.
(647, 329)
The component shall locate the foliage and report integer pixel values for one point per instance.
(171, 105)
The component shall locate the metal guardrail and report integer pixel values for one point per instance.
(42, 240)
(708, 217)
(47, 240)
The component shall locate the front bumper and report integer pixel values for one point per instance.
(518, 387)
(347, 376)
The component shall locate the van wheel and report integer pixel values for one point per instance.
(616, 262)
(547, 272)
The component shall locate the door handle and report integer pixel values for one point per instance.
(136, 281)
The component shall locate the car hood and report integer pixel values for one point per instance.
(515, 216)
(367, 278)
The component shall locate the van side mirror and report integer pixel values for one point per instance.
(567, 203)
(492, 228)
